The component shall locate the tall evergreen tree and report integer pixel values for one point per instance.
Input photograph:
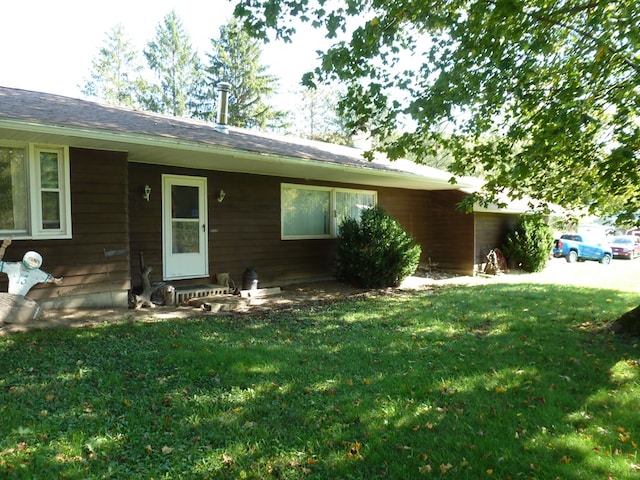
(235, 59)
(115, 77)
(178, 70)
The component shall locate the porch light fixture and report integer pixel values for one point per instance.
(147, 192)
(221, 196)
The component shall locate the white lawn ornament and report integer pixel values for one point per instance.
(14, 306)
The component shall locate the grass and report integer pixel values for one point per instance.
(495, 381)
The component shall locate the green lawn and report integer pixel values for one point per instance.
(495, 381)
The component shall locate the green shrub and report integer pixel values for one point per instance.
(529, 244)
(375, 251)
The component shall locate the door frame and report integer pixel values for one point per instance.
(168, 181)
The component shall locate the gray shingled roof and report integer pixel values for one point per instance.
(23, 107)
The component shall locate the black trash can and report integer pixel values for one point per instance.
(250, 279)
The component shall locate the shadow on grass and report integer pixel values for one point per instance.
(462, 382)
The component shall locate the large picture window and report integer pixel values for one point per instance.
(317, 212)
(35, 201)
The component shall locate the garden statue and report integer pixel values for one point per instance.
(22, 276)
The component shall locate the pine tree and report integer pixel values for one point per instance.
(235, 59)
(115, 76)
(178, 70)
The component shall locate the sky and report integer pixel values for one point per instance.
(49, 45)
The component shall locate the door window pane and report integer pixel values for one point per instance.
(185, 219)
(184, 202)
(185, 236)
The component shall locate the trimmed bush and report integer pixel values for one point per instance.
(530, 243)
(375, 251)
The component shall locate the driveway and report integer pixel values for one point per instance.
(618, 275)
(621, 275)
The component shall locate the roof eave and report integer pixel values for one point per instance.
(144, 148)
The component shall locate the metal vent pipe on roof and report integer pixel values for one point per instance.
(223, 89)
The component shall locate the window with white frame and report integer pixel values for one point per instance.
(317, 212)
(35, 201)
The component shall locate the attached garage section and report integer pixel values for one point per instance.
(491, 230)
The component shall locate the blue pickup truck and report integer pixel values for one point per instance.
(575, 248)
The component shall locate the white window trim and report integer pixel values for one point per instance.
(35, 230)
(64, 180)
(333, 227)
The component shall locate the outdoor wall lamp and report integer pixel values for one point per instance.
(221, 196)
(147, 192)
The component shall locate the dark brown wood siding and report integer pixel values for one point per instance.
(109, 213)
(450, 242)
(244, 230)
(432, 218)
(99, 222)
(491, 232)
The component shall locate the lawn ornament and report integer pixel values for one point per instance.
(496, 263)
(14, 306)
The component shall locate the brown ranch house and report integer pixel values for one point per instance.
(91, 187)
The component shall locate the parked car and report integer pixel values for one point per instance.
(625, 246)
(576, 248)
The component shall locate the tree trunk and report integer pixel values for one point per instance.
(628, 323)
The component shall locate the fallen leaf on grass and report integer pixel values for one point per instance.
(445, 468)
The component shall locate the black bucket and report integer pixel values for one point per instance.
(250, 279)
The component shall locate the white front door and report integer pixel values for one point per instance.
(184, 222)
